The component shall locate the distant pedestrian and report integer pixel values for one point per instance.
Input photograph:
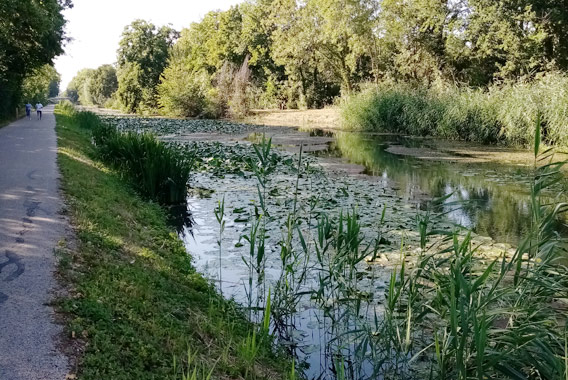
(29, 110)
(39, 107)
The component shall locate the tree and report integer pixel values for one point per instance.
(298, 46)
(102, 84)
(35, 87)
(502, 40)
(207, 54)
(552, 20)
(77, 88)
(130, 92)
(186, 94)
(142, 56)
(54, 87)
(31, 35)
(344, 30)
(414, 39)
(472, 41)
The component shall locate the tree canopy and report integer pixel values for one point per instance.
(292, 53)
(38, 86)
(142, 56)
(31, 35)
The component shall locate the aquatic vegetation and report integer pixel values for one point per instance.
(220, 216)
(479, 319)
(157, 170)
(502, 113)
(445, 309)
(167, 126)
(136, 297)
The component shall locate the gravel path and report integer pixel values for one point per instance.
(30, 227)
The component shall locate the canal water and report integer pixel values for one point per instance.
(357, 173)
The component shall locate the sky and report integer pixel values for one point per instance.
(96, 25)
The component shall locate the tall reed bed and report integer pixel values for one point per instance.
(502, 113)
(158, 171)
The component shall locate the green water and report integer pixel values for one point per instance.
(492, 199)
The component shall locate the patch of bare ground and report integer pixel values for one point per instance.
(326, 118)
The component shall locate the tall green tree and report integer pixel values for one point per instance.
(295, 47)
(77, 89)
(552, 20)
(54, 87)
(473, 41)
(102, 84)
(415, 38)
(142, 56)
(324, 43)
(503, 40)
(31, 35)
(344, 36)
(36, 87)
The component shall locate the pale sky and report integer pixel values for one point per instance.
(96, 26)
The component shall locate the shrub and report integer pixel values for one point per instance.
(182, 94)
(65, 108)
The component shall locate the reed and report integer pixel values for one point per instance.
(157, 170)
(501, 113)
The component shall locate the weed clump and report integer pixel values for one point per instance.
(158, 170)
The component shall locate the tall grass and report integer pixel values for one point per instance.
(158, 171)
(502, 113)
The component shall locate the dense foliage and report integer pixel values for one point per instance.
(306, 53)
(40, 85)
(142, 56)
(93, 87)
(31, 35)
(290, 54)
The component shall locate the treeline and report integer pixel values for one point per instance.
(31, 35)
(290, 54)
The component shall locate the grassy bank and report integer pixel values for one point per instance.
(137, 303)
(500, 114)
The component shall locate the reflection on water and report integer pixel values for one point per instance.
(491, 199)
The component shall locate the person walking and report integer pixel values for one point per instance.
(29, 110)
(39, 107)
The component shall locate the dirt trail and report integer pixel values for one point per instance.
(30, 227)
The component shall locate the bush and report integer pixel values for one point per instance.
(65, 108)
(502, 113)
